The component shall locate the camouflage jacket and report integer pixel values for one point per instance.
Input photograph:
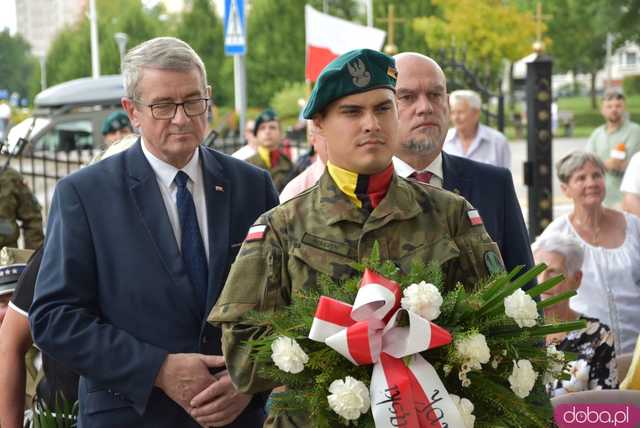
(322, 232)
(280, 174)
(17, 203)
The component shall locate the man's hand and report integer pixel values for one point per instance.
(182, 376)
(613, 164)
(219, 404)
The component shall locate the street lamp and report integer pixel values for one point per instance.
(121, 41)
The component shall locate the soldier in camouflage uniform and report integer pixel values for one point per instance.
(358, 201)
(18, 203)
(270, 155)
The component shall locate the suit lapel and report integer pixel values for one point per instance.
(455, 179)
(217, 194)
(147, 198)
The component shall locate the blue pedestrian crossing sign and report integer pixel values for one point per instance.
(234, 28)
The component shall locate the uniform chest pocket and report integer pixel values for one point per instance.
(323, 257)
(441, 251)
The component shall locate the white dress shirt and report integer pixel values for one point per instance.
(490, 146)
(403, 169)
(165, 174)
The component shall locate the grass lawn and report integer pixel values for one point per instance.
(586, 119)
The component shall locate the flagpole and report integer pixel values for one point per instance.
(369, 6)
(95, 48)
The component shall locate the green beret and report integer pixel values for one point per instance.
(115, 121)
(356, 71)
(266, 116)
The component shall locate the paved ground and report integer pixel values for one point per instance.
(561, 146)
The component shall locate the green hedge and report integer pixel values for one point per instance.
(588, 118)
(631, 85)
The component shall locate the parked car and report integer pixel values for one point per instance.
(63, 133)
(68, 117)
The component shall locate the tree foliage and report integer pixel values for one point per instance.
(285, 102)
(406, 38)
(202, 28)
(69, 56)
(579, 33)
(494, 31)
(18, 68)
(276, 44)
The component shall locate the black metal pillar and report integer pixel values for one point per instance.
(538, 168)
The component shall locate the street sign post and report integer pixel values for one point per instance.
(235, 43)
(234, 28)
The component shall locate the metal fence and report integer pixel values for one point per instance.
(42, 170)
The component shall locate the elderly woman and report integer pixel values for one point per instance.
(469, 138)
(610, 288)
(595, 365)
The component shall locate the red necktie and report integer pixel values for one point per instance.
(424, 177)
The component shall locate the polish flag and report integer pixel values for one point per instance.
(328, 37)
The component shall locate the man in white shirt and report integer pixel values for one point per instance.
(469, 138)
(630, 186)
(138, 248)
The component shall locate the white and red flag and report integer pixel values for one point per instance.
(328, 37)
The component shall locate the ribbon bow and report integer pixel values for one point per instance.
(370, 332)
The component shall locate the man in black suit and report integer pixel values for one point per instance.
(423, 108)
(138, 248)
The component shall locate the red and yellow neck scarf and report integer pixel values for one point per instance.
(365, 191)
(269, 157)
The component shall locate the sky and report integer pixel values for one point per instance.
(8, 15)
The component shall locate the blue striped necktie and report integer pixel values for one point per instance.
(193, 253)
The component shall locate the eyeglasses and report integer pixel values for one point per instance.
(166, 111)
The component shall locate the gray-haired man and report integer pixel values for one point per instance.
(138, 248)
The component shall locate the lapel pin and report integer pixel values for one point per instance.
(219, 189)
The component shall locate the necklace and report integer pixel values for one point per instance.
(587, 231)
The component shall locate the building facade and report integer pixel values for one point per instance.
(39, 21)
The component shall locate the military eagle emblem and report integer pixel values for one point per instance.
(361, 77)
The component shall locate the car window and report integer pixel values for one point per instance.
(67, 136)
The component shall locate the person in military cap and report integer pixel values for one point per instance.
(19, 209)
(270, 155)
(115, 127)
(357, 202)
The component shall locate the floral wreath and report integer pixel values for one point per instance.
(408, 353)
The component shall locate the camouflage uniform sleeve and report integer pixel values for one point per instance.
(479, 255)
(258, 280)
(29, 213)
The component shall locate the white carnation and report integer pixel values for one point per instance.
(423, 299)
(557, 359)
(473, 350)
(288, 355)
(522, 308)
(579, 370)
(465, 408)
(349, 398)
(522, 378)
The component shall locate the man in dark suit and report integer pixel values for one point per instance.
(423, 109)
(138, 247)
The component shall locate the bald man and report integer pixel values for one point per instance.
(423, 108)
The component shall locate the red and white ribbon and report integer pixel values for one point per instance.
(369, 332)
